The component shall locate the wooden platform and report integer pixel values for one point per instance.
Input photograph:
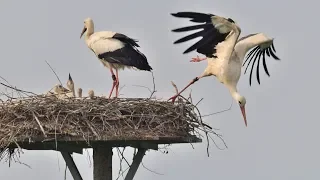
(76, 144)
(102, 151)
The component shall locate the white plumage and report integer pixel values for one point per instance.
(115, 51)
(59, 91)
(91, 94)
(224, 51)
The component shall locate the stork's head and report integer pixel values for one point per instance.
(242, 103)
(70, 83)
(88, 26)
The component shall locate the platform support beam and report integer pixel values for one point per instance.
(135, 164)
(71, 166)
(102, 163)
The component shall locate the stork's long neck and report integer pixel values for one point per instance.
(71, 88)
(73, 91)
(234, 92)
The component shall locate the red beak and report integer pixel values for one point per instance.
(243, 110)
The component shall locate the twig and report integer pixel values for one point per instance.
(177, 91)
(17, 89)
(54, 73)
(154, 86)
(228, 109)
(150, 169)
(175, 87)
(65, 172)
(8, 83)
(143, 87)
(36, 118)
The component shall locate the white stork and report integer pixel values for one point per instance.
(115, 51)
(224, 51)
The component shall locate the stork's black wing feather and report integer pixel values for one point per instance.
(210, 35)
(127, 55)
(196, 17)
(255, 54)
(125, 39)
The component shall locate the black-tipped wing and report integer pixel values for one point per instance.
(125, 39)
(210, 35)
(257, 54)
(127, 55)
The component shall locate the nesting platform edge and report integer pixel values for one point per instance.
(76, 144)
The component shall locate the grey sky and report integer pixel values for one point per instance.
(281, 140)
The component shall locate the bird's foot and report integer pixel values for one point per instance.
(198, 59)
(173, 98)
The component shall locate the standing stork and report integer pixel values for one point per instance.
(224, 51)
(115, 51)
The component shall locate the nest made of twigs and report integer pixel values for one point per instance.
(117, 119)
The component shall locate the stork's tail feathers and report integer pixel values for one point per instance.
(139, 59)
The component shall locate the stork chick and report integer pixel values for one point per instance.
(60, 91)
(70, 85)
(79, 92)
(91, 94)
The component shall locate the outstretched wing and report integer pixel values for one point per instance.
(214, 30)
(256, 54)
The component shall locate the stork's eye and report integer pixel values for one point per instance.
(239, 102)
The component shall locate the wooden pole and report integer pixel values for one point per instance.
(135, 164)
(102, 163)
(71, 166)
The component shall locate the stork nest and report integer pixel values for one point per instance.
(116, 119)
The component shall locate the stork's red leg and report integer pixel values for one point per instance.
(198, 59)
(117, 84)
(193, 81)
(204, 74)
(114, 81)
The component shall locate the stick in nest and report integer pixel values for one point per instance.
(153, 91)
(54, 73)
(204, 126)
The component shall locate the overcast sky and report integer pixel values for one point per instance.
(281, 140)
